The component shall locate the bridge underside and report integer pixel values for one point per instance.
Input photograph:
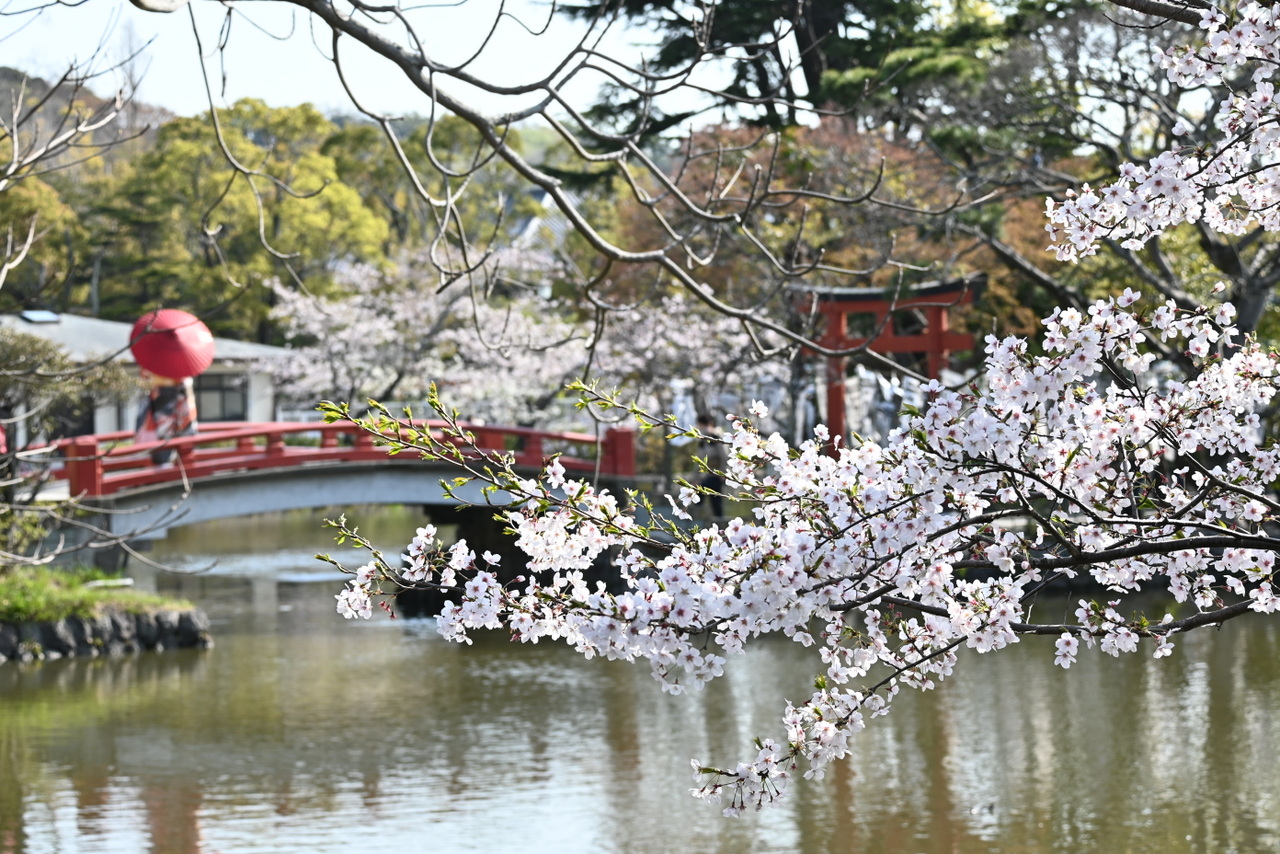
(148, 513)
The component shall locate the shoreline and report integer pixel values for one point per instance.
(112, 632)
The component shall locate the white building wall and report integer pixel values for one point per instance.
(114, 416)
(261, 400)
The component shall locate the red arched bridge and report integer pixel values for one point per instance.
(238, 468)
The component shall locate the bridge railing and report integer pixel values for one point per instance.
(107, 463)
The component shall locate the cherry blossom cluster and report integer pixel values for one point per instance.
(674, 337)
(886, 558)
(382, 335)
(379, 335)
(1230, 184)
(356, 599)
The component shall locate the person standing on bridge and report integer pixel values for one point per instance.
(170, 411)
(170, 346)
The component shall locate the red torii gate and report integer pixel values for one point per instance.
(915, 321)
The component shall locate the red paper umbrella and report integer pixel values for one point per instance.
(171, 343)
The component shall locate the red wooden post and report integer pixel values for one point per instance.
(84, 466)
(939, 323)
(363, 440)
(532, 452)
(275, 445)
(620, 452)
(489, 439)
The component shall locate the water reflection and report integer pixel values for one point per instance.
(301, 731)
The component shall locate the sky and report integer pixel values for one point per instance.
(271, 52)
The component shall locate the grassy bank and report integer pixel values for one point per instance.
(39, 594)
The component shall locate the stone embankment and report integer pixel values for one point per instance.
(113, 633)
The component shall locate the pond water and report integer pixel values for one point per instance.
(303, 732)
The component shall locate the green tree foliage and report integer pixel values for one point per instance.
(179, 224)
(47, 128)
(34, 208)
(201, 216)
(873, 53)
(487, 202)
(366, 162)
(45, 394)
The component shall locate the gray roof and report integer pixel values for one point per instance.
(968, 281)
(88, 338)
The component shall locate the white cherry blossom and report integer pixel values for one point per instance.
(1231, 183)
(884, 559)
